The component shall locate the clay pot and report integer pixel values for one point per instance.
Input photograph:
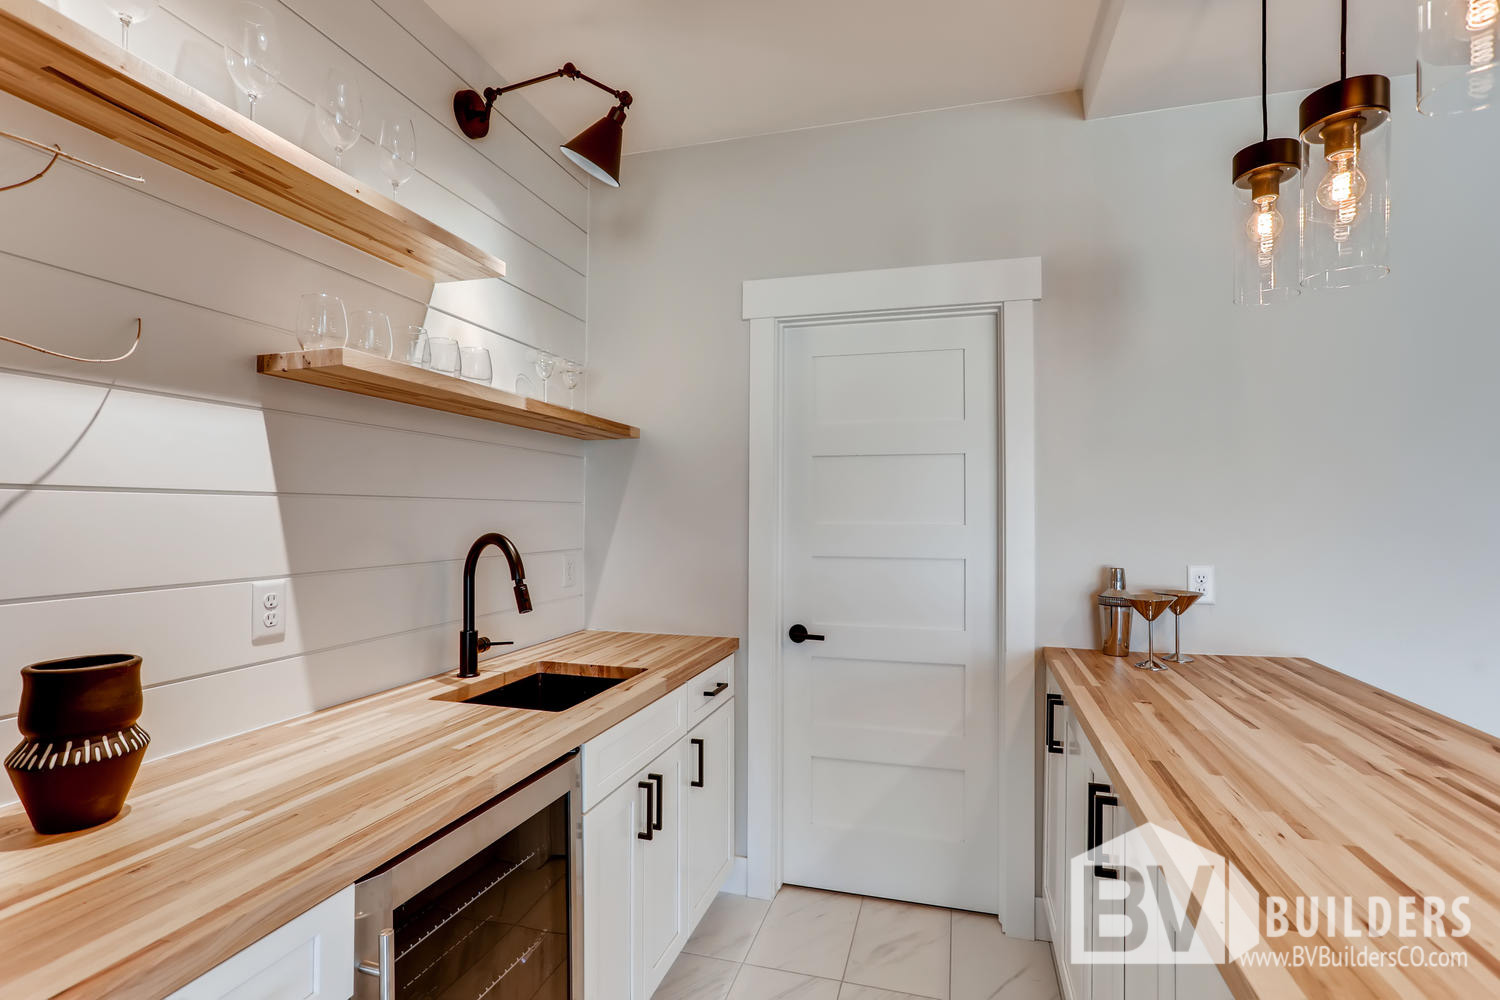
(81, 747)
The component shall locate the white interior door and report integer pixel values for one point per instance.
(890, 784)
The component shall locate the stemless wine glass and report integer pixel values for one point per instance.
(475, 365)
(253, 53)
(444, 351)
(417, 350)
(130, 12)
(321, 322)
(340, 110)
(546, 364)
(398, 151)
(572, 375)
(370, 332)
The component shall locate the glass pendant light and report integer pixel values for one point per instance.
(1265, 258)
(1346, 198)
(1456, 50)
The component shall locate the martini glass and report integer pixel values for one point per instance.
(1151, 605)
(1181, 601)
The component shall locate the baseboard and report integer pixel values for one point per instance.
(1043, 926)
(739, 877)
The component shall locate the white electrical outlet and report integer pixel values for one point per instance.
(267, 614)
(1201, 579)
(570, 571)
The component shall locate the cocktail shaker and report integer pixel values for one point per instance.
(1115, 615)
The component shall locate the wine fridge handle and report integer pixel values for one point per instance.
(384, 968)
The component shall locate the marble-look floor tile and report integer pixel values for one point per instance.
(728, 927)
(755, 983)
(851, 992)
(987, 965)
(901, 947)
(806, 931)
(693, 977)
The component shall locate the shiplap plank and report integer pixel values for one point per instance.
(75, 542)
(196, 350)
(104, 437)
(211, 624)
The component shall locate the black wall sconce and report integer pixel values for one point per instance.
(596, 149)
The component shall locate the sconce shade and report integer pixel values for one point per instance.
(596, 150)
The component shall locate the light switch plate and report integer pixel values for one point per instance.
(268, 610)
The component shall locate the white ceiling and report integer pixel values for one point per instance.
(705, 70)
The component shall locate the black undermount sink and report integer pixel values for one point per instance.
(553, 687)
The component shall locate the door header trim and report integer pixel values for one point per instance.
(933, 286)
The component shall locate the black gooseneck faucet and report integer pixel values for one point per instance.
(470, 642)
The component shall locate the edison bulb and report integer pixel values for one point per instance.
(1481, 14)
(1342, 187)
(1264, 224)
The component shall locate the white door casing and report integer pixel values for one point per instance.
(1007, 288)
(889, 723)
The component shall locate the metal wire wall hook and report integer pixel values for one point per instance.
(58, 154)
(69, 357)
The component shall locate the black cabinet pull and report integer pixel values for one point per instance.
(799, 633)
(661, 796)
(719, 689)
(1054, 745)
(699, 782)
(1099, 797)
(650, 833)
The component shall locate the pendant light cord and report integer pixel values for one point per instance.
(1265, 114)
(1343, 40)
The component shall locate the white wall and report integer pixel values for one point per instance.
(1334, 458)
(138, 501)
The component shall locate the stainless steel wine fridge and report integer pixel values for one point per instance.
(487, 908)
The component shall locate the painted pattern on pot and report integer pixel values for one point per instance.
(81, 747)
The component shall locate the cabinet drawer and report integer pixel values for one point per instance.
(616, 754)
(309, 958)
(704, 693)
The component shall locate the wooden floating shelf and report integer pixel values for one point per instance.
(62, 67)
(367, 375)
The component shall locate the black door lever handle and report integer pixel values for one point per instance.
(799, 633)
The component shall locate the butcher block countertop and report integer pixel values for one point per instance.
(223, 844)
(1311, 783)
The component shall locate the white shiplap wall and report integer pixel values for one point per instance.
(138, 501)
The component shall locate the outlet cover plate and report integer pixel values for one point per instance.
(1201, 579)
(268, 611)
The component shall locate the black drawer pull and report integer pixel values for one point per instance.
(699, 782)
(1054, 745)
(650, 833)
(799, 633)
(719, 689)
(661, 796)
(1099, 797)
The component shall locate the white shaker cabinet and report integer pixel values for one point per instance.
(1080, 808)
(657, 841)
(308, 958)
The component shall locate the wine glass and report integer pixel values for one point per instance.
(340, 109)
(572, 375)
(253, 54)
(474, 364)
(398, 151)
(546, 364)
(1150, 604)
(370, 332)
(321, 322)
(1181, 601)
(130, 12)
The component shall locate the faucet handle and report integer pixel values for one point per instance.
(484, 644)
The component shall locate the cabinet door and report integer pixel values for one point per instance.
(1054, 791)
(659, 873)
(611, 910)
(1074, 839)
(707, 811)
(1106, 980)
